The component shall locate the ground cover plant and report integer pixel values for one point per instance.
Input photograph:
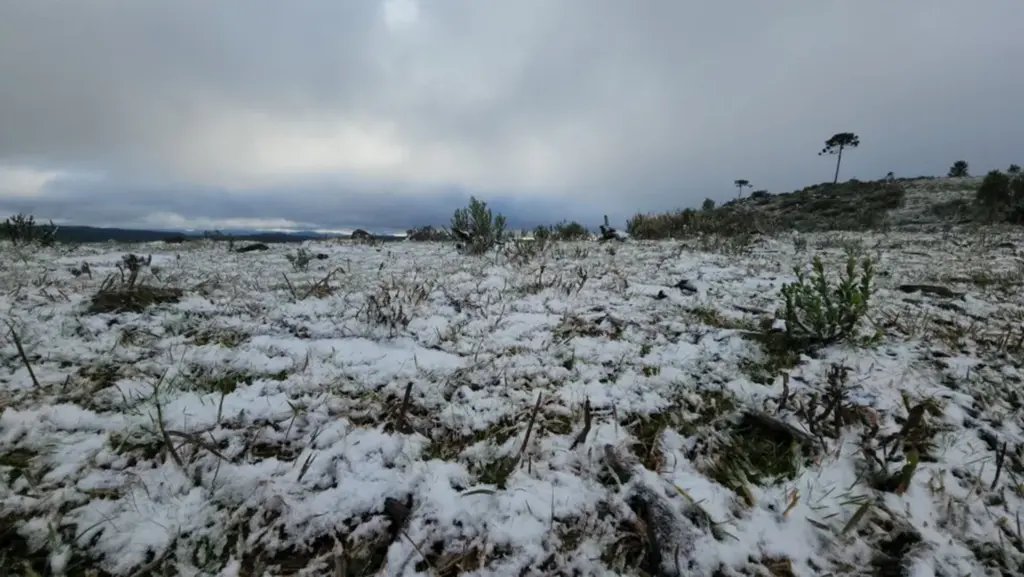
(796, 404)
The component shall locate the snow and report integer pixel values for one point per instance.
(291, 431)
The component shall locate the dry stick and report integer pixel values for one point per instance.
(529, 427)
(402, 425)
(587, 420)
(290, 287)
(322, 282)
(1000, 458)
(785, 393)
(160, 424)
(21, 353)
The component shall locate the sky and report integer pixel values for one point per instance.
(387, 114)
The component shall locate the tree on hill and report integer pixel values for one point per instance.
(959, 169)
(1014, 169)
(836, 145)
(740, 184)
(708, 205)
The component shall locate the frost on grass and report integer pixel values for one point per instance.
(571, 409)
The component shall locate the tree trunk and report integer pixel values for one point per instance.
(839, 161)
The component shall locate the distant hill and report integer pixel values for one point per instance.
(858, 205)
(94, 234)
(910, 203)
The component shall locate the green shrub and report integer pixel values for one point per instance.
(23, 229)
(993, 195)
(486, 228)
(569, 231)
(818, 312)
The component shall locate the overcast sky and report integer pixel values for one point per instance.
(387, 114)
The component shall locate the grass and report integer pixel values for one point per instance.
(416, 410)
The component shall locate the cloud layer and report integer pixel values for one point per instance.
(386, 114)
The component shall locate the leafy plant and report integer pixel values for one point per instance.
(485, 228)
(568, 231)
(23, 229)
(818, 312)
(301, 259)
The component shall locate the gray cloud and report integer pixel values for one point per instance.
(262, 109)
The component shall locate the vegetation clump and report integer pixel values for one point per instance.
(22, 229)
(849, 206)
(480, 228)
(818, 312)
(122, 291)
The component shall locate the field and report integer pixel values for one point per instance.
(408, 410)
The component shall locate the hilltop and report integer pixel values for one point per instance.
(854, 206)
(860, 205)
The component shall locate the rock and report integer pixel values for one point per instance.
(934, 290)
(672, 535)
(686, 286)
(608, 233)
(253, 247)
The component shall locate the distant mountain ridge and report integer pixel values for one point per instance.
(96, 234)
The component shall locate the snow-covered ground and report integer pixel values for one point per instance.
(573, 413)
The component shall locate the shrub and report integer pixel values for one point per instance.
(993, 195)
(570, 231)
(23, 229)
(301, 259)
(820, 313)
(427, 233)
(485, 228)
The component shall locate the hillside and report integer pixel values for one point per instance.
(856, 205)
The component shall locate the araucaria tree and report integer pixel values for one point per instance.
(740, 184)
(836, 145)
(959, 169)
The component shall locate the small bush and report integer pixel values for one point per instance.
(301, 259)
(563, 231)
(820, 313)
(569, 231)
(427, 234)
(123, 292)
(993, 195)
(22, 229)
(484, 227)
